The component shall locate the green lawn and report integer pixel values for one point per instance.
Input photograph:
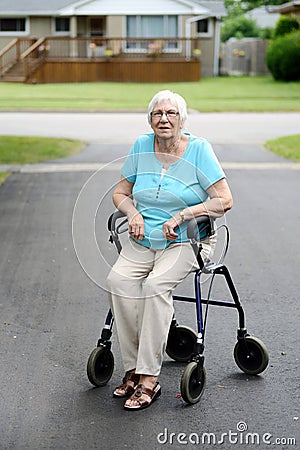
(3, 176)
(27, 150)
(221, 94)
(287, 146)
(208, 95)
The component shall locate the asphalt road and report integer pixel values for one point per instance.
(53, 303)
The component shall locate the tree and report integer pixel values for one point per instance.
(236, 25)
(239, 27)
(238, 7)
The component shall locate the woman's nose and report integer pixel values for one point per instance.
(164, 117)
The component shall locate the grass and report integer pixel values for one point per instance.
(287, 146)
(27, 150)
(3, 176)
(222, 94)
(257, 94)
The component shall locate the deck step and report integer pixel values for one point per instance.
(15, 74)
(13, 79)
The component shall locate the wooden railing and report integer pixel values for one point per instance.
(85, 47)
(34, 56)
(11, 54)
(26, 55)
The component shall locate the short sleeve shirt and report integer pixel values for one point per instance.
(160, 194)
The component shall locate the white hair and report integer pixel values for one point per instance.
(174, 98)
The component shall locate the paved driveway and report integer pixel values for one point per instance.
(52, 311)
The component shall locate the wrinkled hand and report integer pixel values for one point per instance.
(136, 226)
(168, 229)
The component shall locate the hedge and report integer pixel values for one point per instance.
(283, 57)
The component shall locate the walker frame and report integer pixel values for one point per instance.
(184, 344)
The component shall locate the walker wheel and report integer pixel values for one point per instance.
(251, 355)
(100, 366)
(181, 343)
(193, 383)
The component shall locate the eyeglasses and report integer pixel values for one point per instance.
(168, 114)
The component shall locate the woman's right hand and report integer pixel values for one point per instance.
(136, 226)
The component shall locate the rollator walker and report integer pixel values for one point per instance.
(184, 344)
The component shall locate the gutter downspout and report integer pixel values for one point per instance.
(217, 47)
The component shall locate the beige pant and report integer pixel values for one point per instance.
(140, 288)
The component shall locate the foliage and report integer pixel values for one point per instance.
(235, 19)
(237, 7)
(285, 25)
(283, 57)
(266, 33)
(239, 27)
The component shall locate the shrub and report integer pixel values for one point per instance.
(266, 33)
(285, 25)
(283, 57)
(239, 27)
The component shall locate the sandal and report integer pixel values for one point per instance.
(127, 388)
(153, 394)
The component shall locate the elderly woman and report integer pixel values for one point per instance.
(168, 178)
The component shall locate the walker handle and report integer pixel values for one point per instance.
(198, 225)
(111, 225)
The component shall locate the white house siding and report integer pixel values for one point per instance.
(262, 17)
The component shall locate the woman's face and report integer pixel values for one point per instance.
(166, 126)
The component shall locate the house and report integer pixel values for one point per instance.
(263, 17)
(290, 8)
(120, 40)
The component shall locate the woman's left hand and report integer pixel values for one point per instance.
(168, 229)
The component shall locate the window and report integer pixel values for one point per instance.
(204, 27)
(13, 25)
(62, 25)
(151, 27)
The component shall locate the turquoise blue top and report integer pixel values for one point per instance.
(160, 195)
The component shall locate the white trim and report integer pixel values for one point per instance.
(85, 7)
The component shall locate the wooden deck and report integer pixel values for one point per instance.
(57, 60)
(117, 70)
